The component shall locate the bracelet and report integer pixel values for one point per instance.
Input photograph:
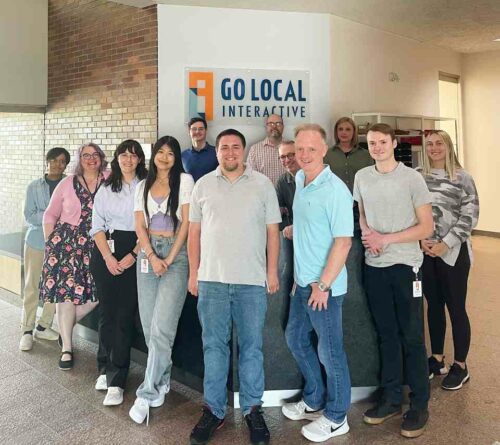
(133, 254)
(149, 255)
(107, 256)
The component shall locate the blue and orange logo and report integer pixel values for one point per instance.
(201, 94)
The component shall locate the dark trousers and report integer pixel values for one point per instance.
(399, 323)
(117, 311)
(446, 285)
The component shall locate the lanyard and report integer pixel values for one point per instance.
(92, 195)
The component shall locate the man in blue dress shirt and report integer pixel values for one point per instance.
(200, 159)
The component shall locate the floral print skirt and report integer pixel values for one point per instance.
(65, 274)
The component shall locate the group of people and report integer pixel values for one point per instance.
(206, 221)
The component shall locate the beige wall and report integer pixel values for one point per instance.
(481, 99)
(23, 76)
(362, 58)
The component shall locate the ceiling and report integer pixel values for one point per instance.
(465, 26)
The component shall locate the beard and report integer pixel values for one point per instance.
(230, 166)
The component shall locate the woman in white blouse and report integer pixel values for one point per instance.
(113, 267)
(161, 217)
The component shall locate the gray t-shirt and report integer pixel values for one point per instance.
(389, 201)
(234, 218)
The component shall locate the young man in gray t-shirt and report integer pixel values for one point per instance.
(395, 213)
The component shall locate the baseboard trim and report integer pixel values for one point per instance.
(279, 397)
(486, 233)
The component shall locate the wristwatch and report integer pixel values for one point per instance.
(323, 287)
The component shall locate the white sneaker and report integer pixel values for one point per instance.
(160, 400)
(26, 342)
(101, 383)
(114, 396)
(323, 429)
(300, 411)
(47, 334)
(140, 411)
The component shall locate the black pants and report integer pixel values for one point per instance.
(398, 319)
(446, 285)
(117, 311)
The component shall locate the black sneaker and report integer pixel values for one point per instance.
(456, 377)
(414, 421)
(205, 428)
(436, 368)
(381, 412)
(259, 434)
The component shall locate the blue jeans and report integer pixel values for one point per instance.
(219, 305)
(160, 305)
(336, 397)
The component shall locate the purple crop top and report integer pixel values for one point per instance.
(159, 221)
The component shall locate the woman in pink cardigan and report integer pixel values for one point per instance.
(66, 278)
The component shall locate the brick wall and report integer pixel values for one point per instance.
(21, 161)
(102, 87)
(102, 74)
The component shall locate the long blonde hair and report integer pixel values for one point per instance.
(451, 164)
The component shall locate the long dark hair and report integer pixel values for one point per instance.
(115, 178)
(174, 177)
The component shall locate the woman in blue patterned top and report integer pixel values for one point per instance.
(448, 254)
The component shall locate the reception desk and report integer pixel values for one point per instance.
(283, 378)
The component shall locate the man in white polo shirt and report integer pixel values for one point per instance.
(234, 217)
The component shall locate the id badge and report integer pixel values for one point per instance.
(417, 289)
(417, 284)
(111, 244)
(144, 265)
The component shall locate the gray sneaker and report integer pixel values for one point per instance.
(26, 342)
(46, 334)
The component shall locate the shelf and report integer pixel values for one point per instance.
(397, 117)
(404, 116)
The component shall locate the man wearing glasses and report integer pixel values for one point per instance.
(37, 199)
(285, 187)
(263, 156)
(200, 159)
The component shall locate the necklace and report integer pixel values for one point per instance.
(162, 180)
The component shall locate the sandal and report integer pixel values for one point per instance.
(67, 364)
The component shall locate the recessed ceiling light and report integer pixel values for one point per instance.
(496, 40)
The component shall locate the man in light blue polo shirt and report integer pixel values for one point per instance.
(322, 231)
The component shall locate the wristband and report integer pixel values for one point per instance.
(133, 254)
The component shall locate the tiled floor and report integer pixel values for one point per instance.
(40, 404)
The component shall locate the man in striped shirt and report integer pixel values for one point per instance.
(263, 156)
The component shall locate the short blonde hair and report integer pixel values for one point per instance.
(311, 127)
(451, 164)
(354, 140)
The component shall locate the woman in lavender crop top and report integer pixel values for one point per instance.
(161, 222)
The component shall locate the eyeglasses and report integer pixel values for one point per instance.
(197, 130)
(274, 124)
(289, 156)
(131, 156)
(88, 156)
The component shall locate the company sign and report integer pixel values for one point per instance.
(225, 95)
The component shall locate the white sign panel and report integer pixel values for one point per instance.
(245, 96)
